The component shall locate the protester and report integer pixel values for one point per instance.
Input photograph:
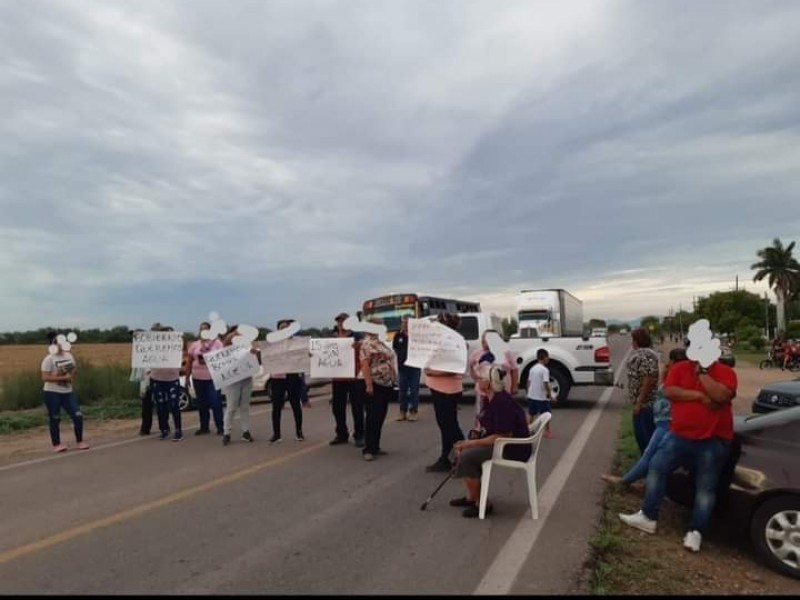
(237, 397)
(58, 372)
(700, 436)
(447, 390)
(207, 395)
(408, 377)
(662, 415)
(348, 388)
(540, 394)
(380, 377)
(791, 350)
(286, 385)
(642, 371)
(166, 389)
(141, 376)
(501, 417)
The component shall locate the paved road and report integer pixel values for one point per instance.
(303, 517)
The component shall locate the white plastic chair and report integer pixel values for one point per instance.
(536, 430)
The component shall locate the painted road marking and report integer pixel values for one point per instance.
(125, 515)
(502, 573)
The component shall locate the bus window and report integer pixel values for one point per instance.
(468, 328)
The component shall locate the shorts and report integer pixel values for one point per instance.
(470, 462)
(537, 407)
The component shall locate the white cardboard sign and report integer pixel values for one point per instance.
(231, 364)
(434, 346)
(332, 357)
(286, 356)
(157, 350)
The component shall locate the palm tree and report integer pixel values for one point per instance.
(783, 275)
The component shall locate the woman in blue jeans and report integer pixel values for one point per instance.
(662, 418)
(58, 371)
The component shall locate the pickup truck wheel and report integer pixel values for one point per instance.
(185, 401)
(559, 382)
(775, 531)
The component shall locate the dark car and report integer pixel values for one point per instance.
(777, 396)
(759, 493)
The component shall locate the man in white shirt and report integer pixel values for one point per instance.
(540, 394)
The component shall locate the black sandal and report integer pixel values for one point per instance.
(461, 502)
(473, 512)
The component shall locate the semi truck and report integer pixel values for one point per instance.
(549, 313)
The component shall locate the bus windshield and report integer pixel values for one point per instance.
(391, 316)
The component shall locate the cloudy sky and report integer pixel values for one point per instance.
(162, 159)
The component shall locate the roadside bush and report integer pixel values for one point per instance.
(23, 389)
(757, 343)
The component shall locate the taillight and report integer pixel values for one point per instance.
(602, 355)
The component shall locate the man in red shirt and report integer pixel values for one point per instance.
(700, 436)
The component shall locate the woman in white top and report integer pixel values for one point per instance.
(58, 372)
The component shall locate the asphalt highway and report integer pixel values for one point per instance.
(195, 517)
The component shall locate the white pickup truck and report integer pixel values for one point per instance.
(574, 361)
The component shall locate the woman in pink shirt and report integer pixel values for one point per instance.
(447, 389)
(207, 395)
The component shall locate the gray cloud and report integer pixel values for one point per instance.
(281, 158)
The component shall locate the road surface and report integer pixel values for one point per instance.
(195, 517)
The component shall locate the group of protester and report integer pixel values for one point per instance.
(682, 417)
(378, 370)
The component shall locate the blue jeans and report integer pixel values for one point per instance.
(408, 382)
(208, 399)
(643, 427)
(639, 470)
(707, 457)
(55, 401)
(165, 397)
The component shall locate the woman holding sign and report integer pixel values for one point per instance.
(447, 390)
(380, 377)
(198, 375)
(237, 396)
(166, 389)
(58, 372)
(283, 385)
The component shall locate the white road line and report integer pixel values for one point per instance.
(501, 575)
(94, 449)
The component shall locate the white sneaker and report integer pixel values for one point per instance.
(692, 540)
(639, 521)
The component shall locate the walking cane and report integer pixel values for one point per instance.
(436, 491)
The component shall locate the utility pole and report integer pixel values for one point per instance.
(737, 283)
(680, 318)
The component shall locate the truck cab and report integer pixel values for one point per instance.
(574, 361)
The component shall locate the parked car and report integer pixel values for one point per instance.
(777, 396)
(759, 491)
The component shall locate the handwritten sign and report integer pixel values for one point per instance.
(435, 346)
(230, 365)
(333, 357)
(157, 350)
(286, 356)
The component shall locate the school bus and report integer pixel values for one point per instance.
(391, 309)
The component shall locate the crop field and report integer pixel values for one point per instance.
(21, 358)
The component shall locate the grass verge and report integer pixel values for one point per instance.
(23, 389)
(19, 420)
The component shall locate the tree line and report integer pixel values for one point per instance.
(118, 334)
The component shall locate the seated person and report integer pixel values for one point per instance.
(501, 417)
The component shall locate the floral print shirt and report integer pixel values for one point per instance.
(642, 362)
(381, 361)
